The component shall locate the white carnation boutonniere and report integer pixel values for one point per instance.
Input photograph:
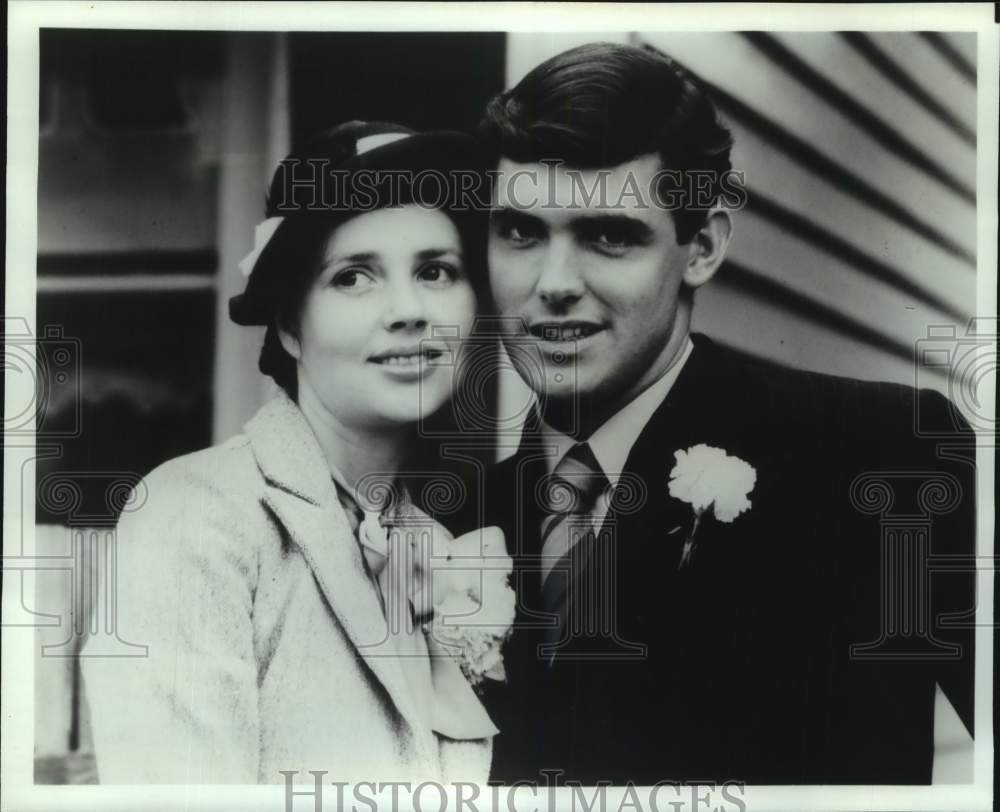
(474, 604)
(710, 480)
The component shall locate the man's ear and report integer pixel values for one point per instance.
(290, 343)
(708, 248)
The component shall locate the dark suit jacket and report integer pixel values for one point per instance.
(739, 666)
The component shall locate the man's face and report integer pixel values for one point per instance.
(593, 285)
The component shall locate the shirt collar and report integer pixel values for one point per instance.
(350, 497)
(613, 440)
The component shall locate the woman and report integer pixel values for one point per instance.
(254, 572)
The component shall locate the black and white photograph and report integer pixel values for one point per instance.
(499, 406)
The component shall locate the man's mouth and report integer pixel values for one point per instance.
(564, 330)
(406, 357)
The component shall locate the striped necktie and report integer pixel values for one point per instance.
(572, 491)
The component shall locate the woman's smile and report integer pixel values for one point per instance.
(407, 365)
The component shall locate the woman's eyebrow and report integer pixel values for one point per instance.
(361, 256)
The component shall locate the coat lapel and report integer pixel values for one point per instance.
(301, 494)
(641, 540)
(661, 519)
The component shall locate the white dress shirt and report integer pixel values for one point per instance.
(613, 440)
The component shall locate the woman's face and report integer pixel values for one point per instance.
(382, 323)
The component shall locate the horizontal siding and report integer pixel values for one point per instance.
(829, 281)
(888, 249)
(918, 59)
(751, 77)
(860, 228)
(855, 76)
(743, 314)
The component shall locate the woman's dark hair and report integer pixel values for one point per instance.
(603, 104)
(300, 247)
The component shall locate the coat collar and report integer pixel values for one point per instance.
(287, 451)
(301, 495)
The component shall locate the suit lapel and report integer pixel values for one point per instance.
(660, 519)
(301, 494)
(645, 528)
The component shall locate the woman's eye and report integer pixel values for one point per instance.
(352, 279)
(438, 273)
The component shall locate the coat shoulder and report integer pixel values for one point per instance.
(227, 469)
(823, 402)
(196, 507)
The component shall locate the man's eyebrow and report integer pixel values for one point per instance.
(509, 214)
(633, 226)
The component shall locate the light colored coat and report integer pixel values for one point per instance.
(241, 575)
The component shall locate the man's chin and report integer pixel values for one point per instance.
(570, 408)
(560, 387)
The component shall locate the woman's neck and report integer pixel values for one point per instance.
(355, 451)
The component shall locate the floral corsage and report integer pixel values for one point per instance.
(474, 605)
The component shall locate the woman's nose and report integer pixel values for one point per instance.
(405, 309)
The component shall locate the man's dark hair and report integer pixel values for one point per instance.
(601, 105)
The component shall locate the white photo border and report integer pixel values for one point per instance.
(25, 18)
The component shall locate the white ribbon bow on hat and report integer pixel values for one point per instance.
(262, 234)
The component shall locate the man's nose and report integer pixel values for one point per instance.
(405, 309)
(560, 282)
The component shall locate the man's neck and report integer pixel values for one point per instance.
(580, 417)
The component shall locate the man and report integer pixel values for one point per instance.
(705, 588)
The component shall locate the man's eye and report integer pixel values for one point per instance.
(352, 279)
(441, 273)
(613, 238)
(518, 233)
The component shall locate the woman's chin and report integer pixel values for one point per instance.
(407, 414)
(410, 406)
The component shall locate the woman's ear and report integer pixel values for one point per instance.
(289, 343)
(708, 248)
